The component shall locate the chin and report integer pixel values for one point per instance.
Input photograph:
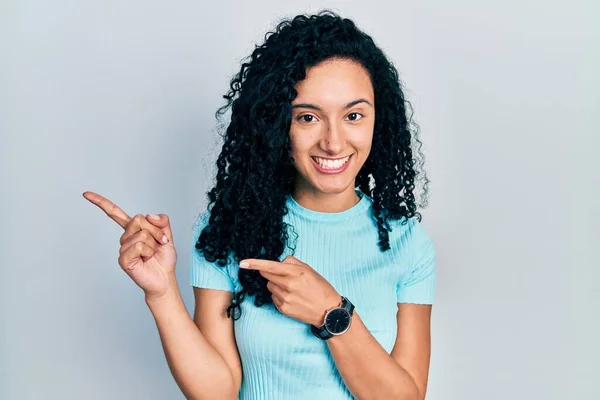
(331, 187)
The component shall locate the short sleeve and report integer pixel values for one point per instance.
(418, 284)
(205, 274)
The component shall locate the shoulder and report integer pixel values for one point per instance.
(200, 222)
(411, 238)
(415, 248)
(205, 270)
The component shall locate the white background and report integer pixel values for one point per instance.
(119, 98)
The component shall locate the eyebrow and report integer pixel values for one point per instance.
(347, 106)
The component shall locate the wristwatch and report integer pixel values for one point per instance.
(337, 321)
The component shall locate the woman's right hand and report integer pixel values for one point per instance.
(147, 252)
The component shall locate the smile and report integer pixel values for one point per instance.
(331, 166)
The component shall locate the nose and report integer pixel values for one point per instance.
(333, 140)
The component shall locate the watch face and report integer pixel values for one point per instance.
(337, 321)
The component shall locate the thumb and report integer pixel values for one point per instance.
(162, 222)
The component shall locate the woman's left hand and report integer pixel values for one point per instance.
(298, 291)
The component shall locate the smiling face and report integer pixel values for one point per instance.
(332, 128)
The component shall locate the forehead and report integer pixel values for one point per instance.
(334, 83)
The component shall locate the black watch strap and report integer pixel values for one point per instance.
(347, 305)
(322, 332)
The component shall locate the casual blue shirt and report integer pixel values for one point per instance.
(281, 358)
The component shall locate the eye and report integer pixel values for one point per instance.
(354, 116)
(306, 118)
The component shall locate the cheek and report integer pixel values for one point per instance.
(365, 143)
(300, 142)
(362, 140)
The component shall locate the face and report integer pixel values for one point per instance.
(332, 127)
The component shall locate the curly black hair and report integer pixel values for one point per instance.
(254, 170)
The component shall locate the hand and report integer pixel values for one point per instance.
(298, 291)
(144, 255)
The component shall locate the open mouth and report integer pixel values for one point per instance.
(329, 165)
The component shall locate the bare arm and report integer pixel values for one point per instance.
(201, 353)
(371, 373)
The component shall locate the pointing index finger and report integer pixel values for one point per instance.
(273, 267)
(111, 209)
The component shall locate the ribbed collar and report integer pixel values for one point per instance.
(357, 209)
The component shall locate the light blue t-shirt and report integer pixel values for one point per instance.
(281, 358)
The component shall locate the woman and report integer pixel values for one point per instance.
(312, 275)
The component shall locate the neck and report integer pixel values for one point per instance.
(325, 202)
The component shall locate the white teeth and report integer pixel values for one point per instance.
(331, 164)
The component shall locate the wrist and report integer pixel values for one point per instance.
(337, 321)
(170, 295)
(334, 302)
